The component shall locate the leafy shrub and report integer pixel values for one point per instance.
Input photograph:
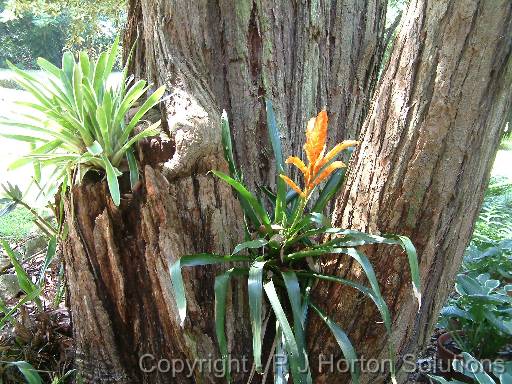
(474, 370)
(499, 187)
(25, 38)
(15, 366)
(31, 290)
(13, 198)
(482, 314)
(494, 223)
(283, 248)
(78, 123)
(495, 261)
(9, 83)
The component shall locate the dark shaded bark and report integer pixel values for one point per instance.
(211, 55)
(427, 149)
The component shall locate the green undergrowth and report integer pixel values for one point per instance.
(17, 225)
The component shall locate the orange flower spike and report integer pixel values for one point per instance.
(337, 149)
(308, 147)
(321, 129)
(316, 135)
(292, 185)
(299, 164)
(327, 171)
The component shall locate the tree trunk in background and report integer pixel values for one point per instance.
(211, 55)
(427, 150)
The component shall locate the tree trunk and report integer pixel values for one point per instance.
(427, 149)
(211, 55)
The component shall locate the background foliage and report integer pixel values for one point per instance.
(495, 220)
(28, 37)
(44, 28)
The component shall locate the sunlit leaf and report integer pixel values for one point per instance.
(255, 291)
(113, 183)
(252, 244)
(134, 169)
(28, 371)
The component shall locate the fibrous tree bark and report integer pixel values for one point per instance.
(212, 55)
(427, 149)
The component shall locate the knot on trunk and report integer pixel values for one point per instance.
(195, 130)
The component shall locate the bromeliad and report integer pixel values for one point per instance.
(282, 243)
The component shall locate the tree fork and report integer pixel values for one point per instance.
(212, 55)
